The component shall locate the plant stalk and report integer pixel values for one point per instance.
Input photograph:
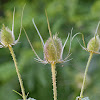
(53, 67)
(19, 76)
(86, 70)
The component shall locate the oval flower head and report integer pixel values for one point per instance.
(7, 37)
(53, 49)
(93, 45)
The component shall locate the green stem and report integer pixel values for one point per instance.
(86, 70)
(54, 80)
(19, 76)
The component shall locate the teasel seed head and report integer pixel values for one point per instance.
(6, 36)
(93, 44)
(53, 49)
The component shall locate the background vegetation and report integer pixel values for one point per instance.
(83, 16)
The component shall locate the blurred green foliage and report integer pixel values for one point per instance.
(82, 15)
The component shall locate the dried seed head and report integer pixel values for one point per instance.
(93, 44)
(53, 49)
(6, 36)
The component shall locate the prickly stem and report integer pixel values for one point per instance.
(19, 76)
(53, 67)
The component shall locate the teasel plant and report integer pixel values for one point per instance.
(7, 40)
(53, 51)
(93, 47)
